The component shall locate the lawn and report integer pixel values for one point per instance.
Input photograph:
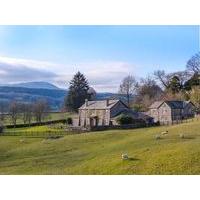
(48, 117)
(100, 152)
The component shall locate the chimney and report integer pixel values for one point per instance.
(86, 102)
(107, 102)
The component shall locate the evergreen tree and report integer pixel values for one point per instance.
(78, 92)
(175, 85)
(192, 82)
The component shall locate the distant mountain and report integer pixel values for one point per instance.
(54, 97)
(27, 93)
(37, 85)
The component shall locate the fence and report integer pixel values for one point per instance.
(180, 121)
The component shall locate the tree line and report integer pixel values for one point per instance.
(27, 112)
(140, 94)
(180, 85)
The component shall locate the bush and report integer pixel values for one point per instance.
(125, 119)
(69, 120)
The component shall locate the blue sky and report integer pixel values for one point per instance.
(105, 54)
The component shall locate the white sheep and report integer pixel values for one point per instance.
(125, 156)
(22, 140)
(158, 137)
(164, 133)
(182, 136)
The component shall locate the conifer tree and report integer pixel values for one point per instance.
(77, 93)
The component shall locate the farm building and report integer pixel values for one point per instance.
(105, 113)
(167, 112)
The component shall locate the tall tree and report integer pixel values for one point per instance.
(175, 84)
(147, 92)
(162, 77)
(78, 92)
(40, 108)
(3, 109)
(27, 112)
(14, 111)
(195, 97)
(128, 87)
(193, 63)
(192, 82)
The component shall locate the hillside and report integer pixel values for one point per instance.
(100, 152)
(53, 95)
(37, 85)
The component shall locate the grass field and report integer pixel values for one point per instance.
(48, 117)
(100, 152)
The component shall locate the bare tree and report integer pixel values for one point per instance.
(128, 87)
(165, 79)
(193, 64)
(14, 112)
(27, 112)
(40, 108)
(162, 77)
(3, 109)
(147, 92)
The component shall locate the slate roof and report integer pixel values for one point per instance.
(133, 114)
(171, 104)
(176, 104)
(100, 104)
(156, 104)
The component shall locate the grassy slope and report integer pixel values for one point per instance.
(100, 153)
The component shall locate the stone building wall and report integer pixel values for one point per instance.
(165, 114)
(103, 116)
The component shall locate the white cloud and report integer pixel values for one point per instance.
(14, 70)
(103, 76)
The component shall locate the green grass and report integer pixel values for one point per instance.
(45, 128)
(48, 117)
(100, 152)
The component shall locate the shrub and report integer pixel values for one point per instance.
(69, 120)
(124, 119)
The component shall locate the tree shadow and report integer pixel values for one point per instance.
(188, 137)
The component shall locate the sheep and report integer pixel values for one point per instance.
(158, 137)
(182, 136)
(22, 140)
(164, 133)
(125, 156)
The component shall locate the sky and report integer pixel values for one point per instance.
(104, 54)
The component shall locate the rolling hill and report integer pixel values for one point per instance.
(32, 91)
(36, 85)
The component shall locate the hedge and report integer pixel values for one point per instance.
(37, 123)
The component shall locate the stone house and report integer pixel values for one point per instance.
(167, 112)
(104, 113)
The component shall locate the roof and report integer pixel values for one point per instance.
(156, 104)
(171, 104)
(100, 104)
(176, 104)
(133, 114)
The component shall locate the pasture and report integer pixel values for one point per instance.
(177, 152)
(48, 117)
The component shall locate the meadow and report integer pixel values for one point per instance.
(100, 152)
(48, 117)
